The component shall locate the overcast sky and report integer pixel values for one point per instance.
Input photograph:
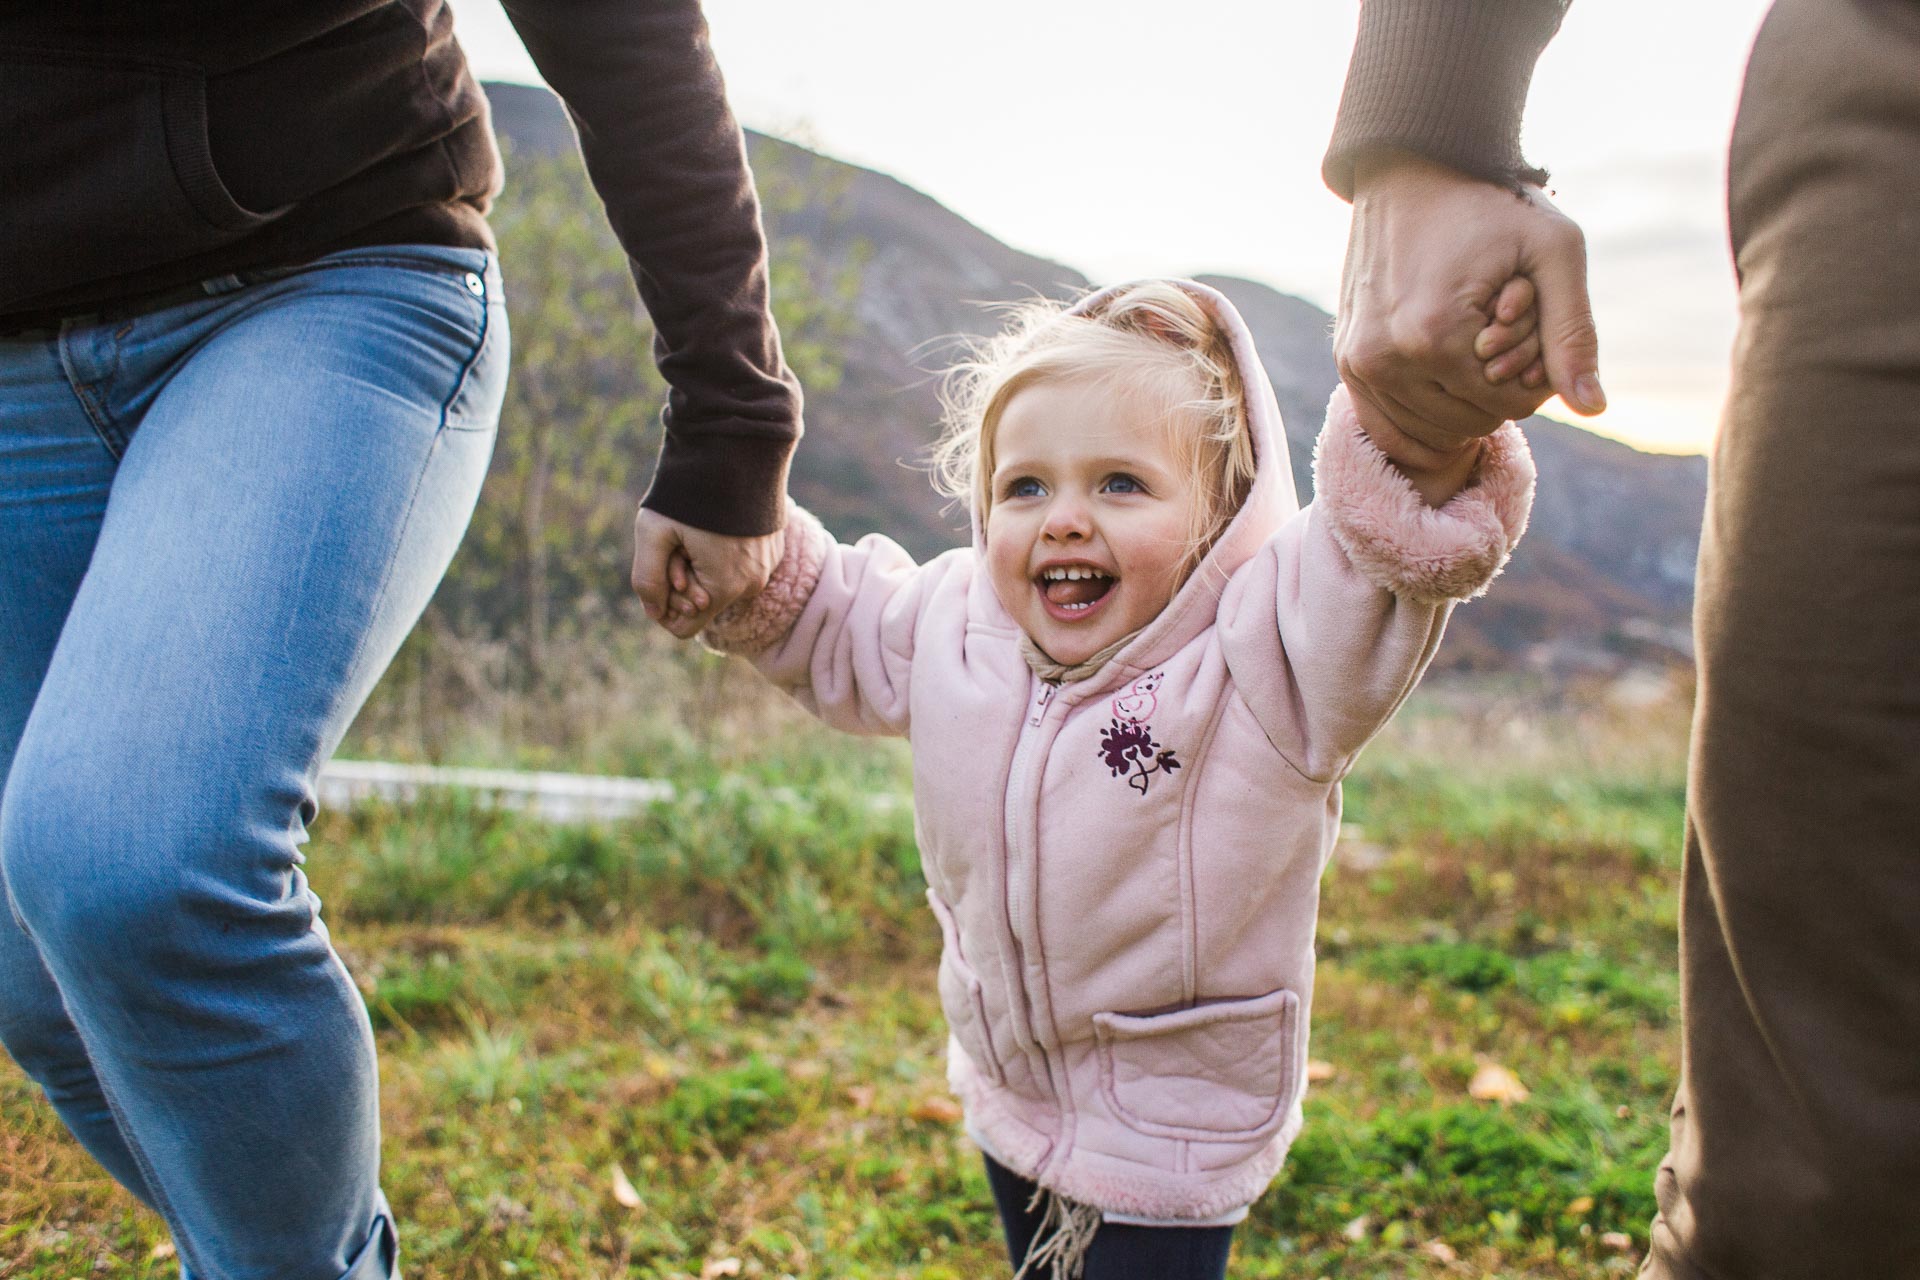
(1117, 139)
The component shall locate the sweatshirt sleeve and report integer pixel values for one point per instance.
(836, 626)
(1445, 79)
(1331, 626)
(669, 161)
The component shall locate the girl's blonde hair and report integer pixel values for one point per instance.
(1154, 338)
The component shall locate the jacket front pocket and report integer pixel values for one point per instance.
(963, 998)
(1220, 1071)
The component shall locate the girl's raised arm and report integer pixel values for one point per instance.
(837, 625)
(1360, 584)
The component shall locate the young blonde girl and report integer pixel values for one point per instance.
(1131, 702)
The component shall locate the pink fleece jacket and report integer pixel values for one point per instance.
(1126, 868)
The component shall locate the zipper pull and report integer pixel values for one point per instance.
(1040, 703)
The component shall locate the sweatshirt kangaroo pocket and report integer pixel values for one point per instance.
(963, 998)
(1220, 1071)
(108, 171)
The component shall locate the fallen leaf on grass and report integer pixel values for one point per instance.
(1580, 1208)
(861, 1096)
(716, 1267)
(1356, 1230)
(1318, 1070)
(1439, 1251)
(1494, 1083)
(1618, 1241)
(936, 1110)
(623, 1191)
(161, 1252)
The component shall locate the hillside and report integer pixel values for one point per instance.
(1604, 578)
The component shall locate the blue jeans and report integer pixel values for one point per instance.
(218, 520)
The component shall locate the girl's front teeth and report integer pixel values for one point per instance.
(1074, 587)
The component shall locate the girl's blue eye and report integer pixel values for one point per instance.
(1024, 487)
(1124, 484)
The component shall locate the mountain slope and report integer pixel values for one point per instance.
(1604, 577)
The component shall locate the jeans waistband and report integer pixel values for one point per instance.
(426, 257)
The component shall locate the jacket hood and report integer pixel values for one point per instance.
(1270, 501)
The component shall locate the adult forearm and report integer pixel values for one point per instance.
(1446, 216)
(1443, 79)
(667, 157)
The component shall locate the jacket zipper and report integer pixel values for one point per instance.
(1047, 690)
(1016, 878)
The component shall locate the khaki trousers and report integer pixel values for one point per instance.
(1796, 1131)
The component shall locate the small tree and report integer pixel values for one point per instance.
(576, 440)
(551, 545)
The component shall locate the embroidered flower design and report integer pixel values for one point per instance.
(1130, 751)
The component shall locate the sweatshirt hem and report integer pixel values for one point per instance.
(730, 478)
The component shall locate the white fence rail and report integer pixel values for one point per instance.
(556, 797)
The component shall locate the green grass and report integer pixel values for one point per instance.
(730, 1000)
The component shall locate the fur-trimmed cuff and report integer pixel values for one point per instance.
(757, 623)
(1394, 538)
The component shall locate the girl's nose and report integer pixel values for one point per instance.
(1066, 520)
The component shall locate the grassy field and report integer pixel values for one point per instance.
(706, 1043)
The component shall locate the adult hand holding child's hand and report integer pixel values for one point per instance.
(1462, 305)
(685, 576)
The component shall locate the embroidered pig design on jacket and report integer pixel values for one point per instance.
(1136, 705)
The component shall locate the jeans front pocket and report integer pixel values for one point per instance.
(963, 997)
(431, 317)
(1219, 1071)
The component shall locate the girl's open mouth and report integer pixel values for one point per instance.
(1074, 591)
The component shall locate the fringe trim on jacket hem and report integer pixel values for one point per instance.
(1059, 1248)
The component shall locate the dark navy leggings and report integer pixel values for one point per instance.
(1120, 1251)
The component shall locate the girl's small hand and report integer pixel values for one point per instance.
(1510, 344)
(684, 575)
(687, 598)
